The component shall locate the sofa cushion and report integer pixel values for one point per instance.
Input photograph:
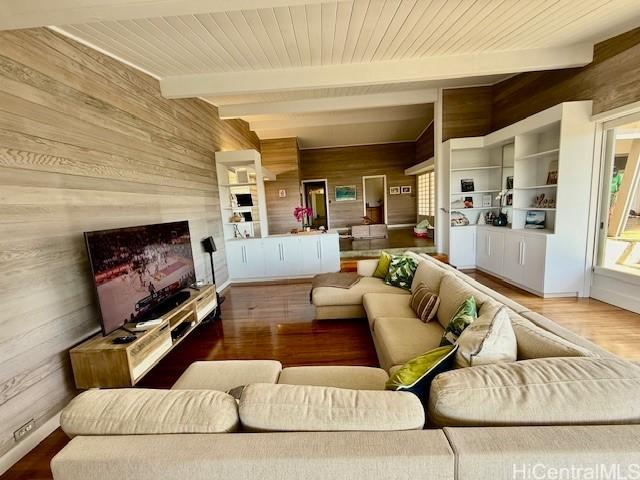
(454, 291)
(383, 265)
(322, 296)
(136, 411)
(356, 378)
(429, 274)
(416, 375)
(515, 306)
(546, 391)
(223, 375)
(401, 339)
(387, 305)
(489, 339)
(424, 302)
(465, 315)
(286, 408)
(401, 271)
(536, 342)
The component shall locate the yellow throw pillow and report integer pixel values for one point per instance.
(383, 265)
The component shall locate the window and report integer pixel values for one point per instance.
(426, 194)
(620, 208)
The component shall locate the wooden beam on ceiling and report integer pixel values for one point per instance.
(356, 74)
(40, 13)
(329, 104)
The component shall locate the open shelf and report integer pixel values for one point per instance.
(537, 208)
(536, 155)
(475, 192)
(537, 187)
(454, 209)
(472, 169)
(231, 185)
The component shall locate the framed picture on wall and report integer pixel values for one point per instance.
(346, 193)
(405, 189)
(394, 190)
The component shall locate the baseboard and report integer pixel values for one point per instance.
(221, 287)
(14, 455)
(400, 225)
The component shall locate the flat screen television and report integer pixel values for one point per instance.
(137, 269)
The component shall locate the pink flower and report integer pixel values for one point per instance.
(301, 212)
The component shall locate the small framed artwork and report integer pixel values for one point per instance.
(535, 219)
(346, 193)
(486, 200)
(405, 189)
(394, 191)
(510, 182)
(282, 193)
(468, 202)
(467, 185)
(552, 176)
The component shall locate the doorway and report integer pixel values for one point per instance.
(374, 188)
(315, 197)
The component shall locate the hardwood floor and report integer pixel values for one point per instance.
(277, 321)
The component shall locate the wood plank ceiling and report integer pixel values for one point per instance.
(316, 49)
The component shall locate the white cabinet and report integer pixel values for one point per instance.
(283, 256)
(524, 259)
(245, 258)
(489, 249)
(463, 247)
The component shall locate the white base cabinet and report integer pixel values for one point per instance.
(282, 256)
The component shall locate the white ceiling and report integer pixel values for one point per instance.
(280, 57)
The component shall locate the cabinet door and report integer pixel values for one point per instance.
(254, 259)
(291, 248)
(329, 253)
(496, 252)
(311, 263)
(273, 257)
(533, 261)
(512, 267)
(482, 249)
(235, 259)
(462, 247)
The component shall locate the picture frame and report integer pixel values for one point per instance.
(346, 193)
(394, 190)
(405, 189)
(535, 219)
(552, 176)
(467, 185)
(486, 200)
(509, 182)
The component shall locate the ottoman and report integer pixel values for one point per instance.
(227, 374)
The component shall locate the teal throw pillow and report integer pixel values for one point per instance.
(401, 271)
(416, 375)
(465, 315)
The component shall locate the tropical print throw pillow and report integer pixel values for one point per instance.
(401, 271)
(465, 315)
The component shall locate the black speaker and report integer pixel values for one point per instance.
(209, 245)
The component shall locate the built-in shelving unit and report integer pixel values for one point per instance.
(241, 173)
(540, 168)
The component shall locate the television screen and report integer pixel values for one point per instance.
(137, 268)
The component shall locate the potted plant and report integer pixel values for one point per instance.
(303, 215)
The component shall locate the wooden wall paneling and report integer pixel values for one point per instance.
(86, 143)
(425, 145)
(611, 81)
(347, 166)
(282, 157)
(466, 112)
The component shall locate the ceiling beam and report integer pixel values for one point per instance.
(40, 13)
(355, 74)
(329, 104)
(343, 118)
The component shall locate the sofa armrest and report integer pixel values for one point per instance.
(367, 267)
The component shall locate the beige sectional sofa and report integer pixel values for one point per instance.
(564, 405)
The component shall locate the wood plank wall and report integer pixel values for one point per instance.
(347, 166)
(466, 112)
(86, 143)
(424, 144)
(282, 157)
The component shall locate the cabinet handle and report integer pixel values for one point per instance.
(488, 245)
(282, 250)
(319, 248)
(244, 258)
(524, 252)
(519, 253)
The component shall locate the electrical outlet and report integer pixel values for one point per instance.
(24, 430)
